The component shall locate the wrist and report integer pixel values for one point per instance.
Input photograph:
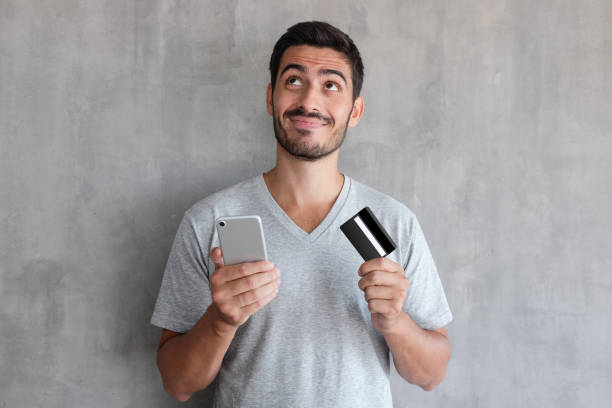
(220, 326)
(398, 327)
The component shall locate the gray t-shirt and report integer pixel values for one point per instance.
(314, 344)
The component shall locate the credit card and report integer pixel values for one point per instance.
(367, 235)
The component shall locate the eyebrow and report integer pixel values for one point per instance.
(322, 71)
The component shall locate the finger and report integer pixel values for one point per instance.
(257, 296)
(252, 281)
(380, 292)
(216, 255)
(253, 307)
(379, 263)
(245, 269)
(382, 306)
(379, 277)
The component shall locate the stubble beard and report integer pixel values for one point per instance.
(302, 149)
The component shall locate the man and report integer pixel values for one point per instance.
(322, 337)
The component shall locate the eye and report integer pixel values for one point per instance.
(334, 86)
(292, 80)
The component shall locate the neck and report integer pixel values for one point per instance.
(302, 184)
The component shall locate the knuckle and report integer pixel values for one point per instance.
(214, 277)
(257, 301)
(375, 277)
(243, 270)
(255, 295)
(217, 296)
(243, 299)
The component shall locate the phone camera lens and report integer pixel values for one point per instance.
(222, 223)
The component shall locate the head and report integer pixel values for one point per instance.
(313, 96)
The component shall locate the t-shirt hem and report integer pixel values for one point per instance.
(439, 322)
(170, 324)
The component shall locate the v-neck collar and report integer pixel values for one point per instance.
(284, 219)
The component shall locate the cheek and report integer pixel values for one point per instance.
(340, 114)
(283, 102)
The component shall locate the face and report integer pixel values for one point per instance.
(312, 102)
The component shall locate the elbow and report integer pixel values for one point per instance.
(429, 387)
(177, 390)
(180, 396)
(183, 391)
(175, 387)
(436, 380)
(432, 384)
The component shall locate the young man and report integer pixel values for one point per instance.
(322, 337)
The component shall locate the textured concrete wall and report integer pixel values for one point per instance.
(492, 120)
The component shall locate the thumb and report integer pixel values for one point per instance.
(216, 255)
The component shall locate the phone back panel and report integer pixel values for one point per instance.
(242, 239)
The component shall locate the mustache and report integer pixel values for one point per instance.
(301, 112)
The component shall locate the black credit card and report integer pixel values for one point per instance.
(367, 235)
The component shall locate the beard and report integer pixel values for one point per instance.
(300, 147)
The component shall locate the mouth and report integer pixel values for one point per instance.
(307, 123)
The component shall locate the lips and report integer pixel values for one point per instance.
(301, 121)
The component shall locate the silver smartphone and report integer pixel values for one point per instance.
(242, 239)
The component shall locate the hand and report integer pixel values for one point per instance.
(240, 290)
(385, 287)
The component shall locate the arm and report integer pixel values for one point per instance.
(420, 356)
(190, 362)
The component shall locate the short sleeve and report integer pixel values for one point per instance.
(185, 292)
(425, 301)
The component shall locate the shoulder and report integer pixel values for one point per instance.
(381, 203)
(396, 217)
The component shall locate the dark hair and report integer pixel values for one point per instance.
(319, 34)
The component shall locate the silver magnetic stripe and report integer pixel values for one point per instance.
(368, 234)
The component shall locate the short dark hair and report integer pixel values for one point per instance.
(319, 34)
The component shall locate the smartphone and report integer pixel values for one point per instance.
(242, 239)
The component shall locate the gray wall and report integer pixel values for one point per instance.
(491, 120)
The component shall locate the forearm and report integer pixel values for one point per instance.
(190, 362)
(420, 356)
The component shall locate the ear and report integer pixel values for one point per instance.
(269, 99)
(357, 111)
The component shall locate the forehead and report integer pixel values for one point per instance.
(315, 57)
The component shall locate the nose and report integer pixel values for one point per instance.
(310, 99)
